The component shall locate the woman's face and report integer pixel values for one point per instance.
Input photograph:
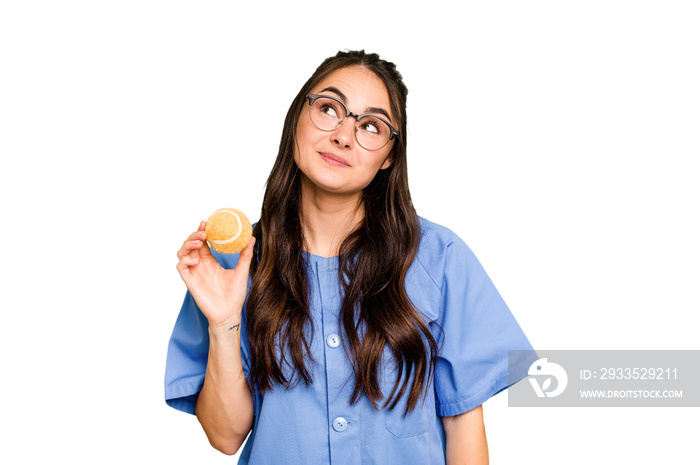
(333, 161)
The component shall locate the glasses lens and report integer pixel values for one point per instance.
(327, 114)
(372, 133)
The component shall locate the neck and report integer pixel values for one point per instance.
(327, 218)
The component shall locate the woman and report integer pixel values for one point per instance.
(349, 330)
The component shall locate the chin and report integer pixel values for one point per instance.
(333, 186)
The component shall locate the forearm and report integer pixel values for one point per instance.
(225, 405)
(465, 437)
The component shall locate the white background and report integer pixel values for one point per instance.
(559, 139)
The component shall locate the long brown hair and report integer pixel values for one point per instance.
(376, 311)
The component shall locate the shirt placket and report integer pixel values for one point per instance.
(343, 420)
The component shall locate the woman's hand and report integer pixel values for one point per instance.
(219, 293)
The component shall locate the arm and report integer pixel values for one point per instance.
(225, 405)
(465, 437)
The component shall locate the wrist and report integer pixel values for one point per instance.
(231, 325)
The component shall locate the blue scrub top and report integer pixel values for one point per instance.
(316, 423)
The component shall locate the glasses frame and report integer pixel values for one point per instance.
(393, 132)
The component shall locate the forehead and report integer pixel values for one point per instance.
(362, 87)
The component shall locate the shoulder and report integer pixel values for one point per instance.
(440, 261)
(440, 248)
(435, 235)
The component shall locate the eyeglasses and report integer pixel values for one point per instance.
(371, 131)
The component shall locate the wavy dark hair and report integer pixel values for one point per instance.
(376, 311)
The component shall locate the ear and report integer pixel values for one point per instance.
(387, 163)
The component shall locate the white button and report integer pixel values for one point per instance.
(340, 424)
(333, 340)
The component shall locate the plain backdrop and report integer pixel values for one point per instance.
(559, 139)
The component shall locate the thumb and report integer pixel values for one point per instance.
(246, 257)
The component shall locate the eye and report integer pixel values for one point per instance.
(372, 126)
(328, 109)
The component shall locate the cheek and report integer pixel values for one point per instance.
(301, 141)
(384, 160)
(305, 128)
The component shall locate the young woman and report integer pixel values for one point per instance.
(350, 330)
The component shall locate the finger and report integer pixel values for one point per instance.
(192, 243)
(188, 247)
(198, 234)
(202, 236)
(246, 256)
(186, 262)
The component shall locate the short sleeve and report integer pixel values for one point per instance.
(478, 330)
(188, 350)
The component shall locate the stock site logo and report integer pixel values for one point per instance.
(542, 369)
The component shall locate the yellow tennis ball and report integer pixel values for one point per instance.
(228, 230)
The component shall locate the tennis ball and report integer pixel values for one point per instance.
(228, 230)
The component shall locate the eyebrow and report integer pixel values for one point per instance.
(342, 96)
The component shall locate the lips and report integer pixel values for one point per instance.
(334, 159)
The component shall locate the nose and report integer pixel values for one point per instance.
(344, 136)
